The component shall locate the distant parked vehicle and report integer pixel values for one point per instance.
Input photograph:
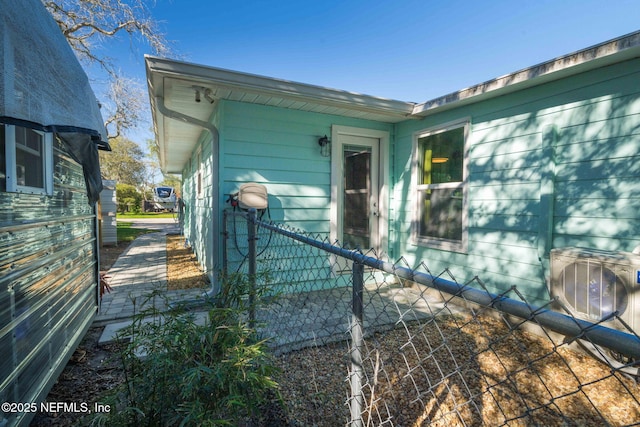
(164, 198)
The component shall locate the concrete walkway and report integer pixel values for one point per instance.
(137, 273)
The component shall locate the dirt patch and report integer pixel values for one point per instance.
(183, 269)
(91, 372)
(109, 255)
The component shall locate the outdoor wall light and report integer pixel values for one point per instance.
(325, 146)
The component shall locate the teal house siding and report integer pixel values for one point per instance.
(597, 169)
(279, 149)
(198, 180)
(550, 160)
(267, 145)
(551, 166)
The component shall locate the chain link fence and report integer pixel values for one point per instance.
(364, 342)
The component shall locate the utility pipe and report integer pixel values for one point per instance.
(215, 136)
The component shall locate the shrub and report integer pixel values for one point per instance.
(182, 371)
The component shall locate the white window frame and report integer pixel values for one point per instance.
(434, 242)
(12, 185)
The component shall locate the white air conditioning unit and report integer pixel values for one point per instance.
(592, 284)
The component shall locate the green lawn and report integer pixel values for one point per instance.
(128, 234)
(145, 215)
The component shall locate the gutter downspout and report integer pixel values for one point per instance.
(216, 191)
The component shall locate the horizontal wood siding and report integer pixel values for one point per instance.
(199, 215)
(598, 172)
(280, 151)
(279, 148)
(273, 146)
(596, 117)
(203, 245)
(48, 287)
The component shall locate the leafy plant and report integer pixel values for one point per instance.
(194, 368)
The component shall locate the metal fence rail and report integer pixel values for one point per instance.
(362, 341)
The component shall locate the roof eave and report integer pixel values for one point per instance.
(251, 83)
(601, 55)
(156, 118)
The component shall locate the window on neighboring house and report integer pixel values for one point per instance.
(26, 160)
(440, 187)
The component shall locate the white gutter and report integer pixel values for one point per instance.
(215, 229)
(176, 115)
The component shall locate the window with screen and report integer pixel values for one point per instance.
(25, 160)
(440, 188)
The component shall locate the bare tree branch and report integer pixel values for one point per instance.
(87, 24)
(126, 106)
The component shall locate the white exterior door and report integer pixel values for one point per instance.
(359, 188)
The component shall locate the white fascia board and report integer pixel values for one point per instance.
(158, 121)
(607, 53)
(252, 83)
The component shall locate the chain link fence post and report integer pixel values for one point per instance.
(357, 343)
(225, 236)
(252, 238)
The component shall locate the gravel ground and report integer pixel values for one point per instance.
(448, 376)
(312, 383)
(183, 271)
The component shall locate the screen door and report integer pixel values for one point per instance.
(360, 193)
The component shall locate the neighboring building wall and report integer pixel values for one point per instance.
(48, 289)
(517, 195)
(108, 210)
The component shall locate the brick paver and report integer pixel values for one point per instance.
(136, 274)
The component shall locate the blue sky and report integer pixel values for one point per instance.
(405, 50)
